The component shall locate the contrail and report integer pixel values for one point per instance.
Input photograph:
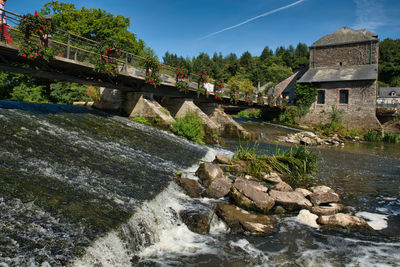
(254, 18)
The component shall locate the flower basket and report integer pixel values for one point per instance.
(203, 78)
(108, 60)
(153, 68)
(31, 49)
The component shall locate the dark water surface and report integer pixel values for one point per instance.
(82, 188)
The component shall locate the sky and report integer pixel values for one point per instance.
(187, 28)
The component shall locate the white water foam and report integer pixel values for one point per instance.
(376, 221)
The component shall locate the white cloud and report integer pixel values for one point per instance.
(254, 18)
(370, 14)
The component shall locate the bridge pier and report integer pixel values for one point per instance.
(110, 100)
(228, 127)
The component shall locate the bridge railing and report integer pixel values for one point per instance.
(74, 47)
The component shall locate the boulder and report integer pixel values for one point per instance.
(251, 195)
(303, 191)
(197, 219)
(308, 218)
(191, 187)
(241, 221)
(341, 220)
(329, 209)
(221, 159)
(273, 177)
(218, 187)
(291, 201)
(282, 186)
(279, 210)
(208, 172)
(323, 195)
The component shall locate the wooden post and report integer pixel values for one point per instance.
(69, 46)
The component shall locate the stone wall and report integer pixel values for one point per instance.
(348, 54)
(359, 113)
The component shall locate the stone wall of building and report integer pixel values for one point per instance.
(348, 54)
(359, 113)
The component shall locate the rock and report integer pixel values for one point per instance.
(191, 187)
(273, 177)
(306, 141)
(329, 209)
(306, 217)
(251, 195)
(282, 186)
(241, 221)
(221, 159)
(218, 188)
(208, 172)
(322, 195)
(291, 201)
(279, 210)
(248, 177)
(342, 220)
(197, 220)
(303, 191)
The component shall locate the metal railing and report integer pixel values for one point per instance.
(78, 48)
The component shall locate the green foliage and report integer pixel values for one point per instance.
(296, 164)
(190, 126)
(67, 93)
(389, 62)
(27, 93)
(372, 136)
(254, 114)
(95, 24)
(305, 94)
(290, 116)
(335, 125)
(391, 138)
(141, 120)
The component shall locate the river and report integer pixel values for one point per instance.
(82, 188)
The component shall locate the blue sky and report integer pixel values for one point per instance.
(188, 27)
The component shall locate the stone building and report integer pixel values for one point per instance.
(344, 65)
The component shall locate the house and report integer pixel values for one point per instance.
(388, 97)
(344, 66)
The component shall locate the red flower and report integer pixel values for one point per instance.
(24, 55)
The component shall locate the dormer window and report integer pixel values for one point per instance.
(340, 64)
(392, 93)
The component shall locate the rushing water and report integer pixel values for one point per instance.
(82, 188)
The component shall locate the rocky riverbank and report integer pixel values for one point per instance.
(311, 139)
(250, 204)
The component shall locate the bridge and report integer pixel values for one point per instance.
(75, 62)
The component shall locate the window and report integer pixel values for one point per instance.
(321, 97)
(392, 93)
(344, 97)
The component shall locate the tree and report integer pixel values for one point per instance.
(245, 60)
(96, 24)
(389, 62)
(266, 53)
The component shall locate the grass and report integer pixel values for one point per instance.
(372, 136)
(296, 164)
(141, 120)
(391, 138)
(191, 127)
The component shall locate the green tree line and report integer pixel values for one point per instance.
(269, 67)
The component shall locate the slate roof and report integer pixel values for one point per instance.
(346, 35)
(385, 91)
(289, 83)
(336, 74)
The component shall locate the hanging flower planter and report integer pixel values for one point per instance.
(108, 60)
(36, 49)
(181, 84)
(153, 68)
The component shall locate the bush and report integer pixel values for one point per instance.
(372, 136)
(391, 138)
(290, 116)
(190, 127)
(243, 114)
